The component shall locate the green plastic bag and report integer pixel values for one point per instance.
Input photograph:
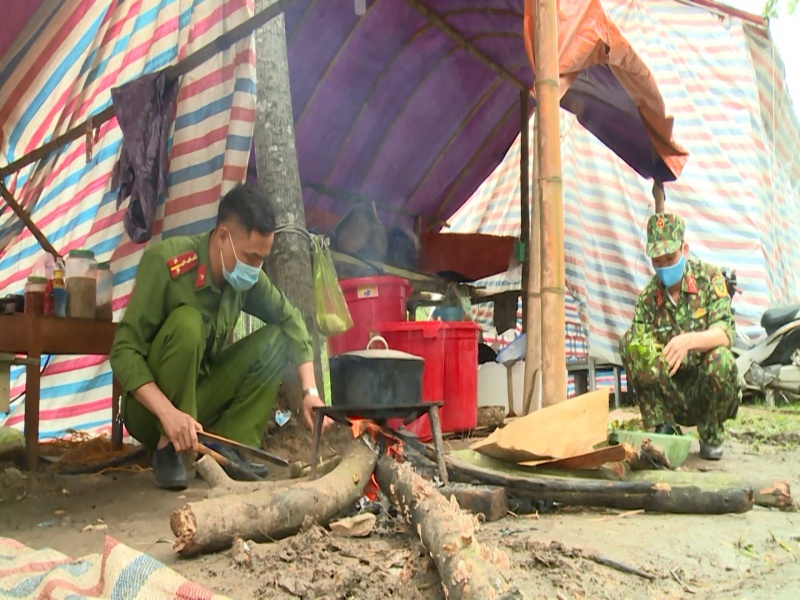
(333, 315)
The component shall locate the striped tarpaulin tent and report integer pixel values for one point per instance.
(723, 81)
(60, 71)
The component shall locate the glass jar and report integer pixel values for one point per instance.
(105, 292)
(34, 295)
(81, 271)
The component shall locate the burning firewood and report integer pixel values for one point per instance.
(215, 523)
(468, 568)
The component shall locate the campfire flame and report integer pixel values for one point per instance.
(379, 435)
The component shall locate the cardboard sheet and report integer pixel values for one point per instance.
(570, 428)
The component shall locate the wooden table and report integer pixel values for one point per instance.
(34, 336)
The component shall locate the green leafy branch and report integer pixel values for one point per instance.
(645, 352)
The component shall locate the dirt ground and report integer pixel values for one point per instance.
(752, 555)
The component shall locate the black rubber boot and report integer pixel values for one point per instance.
(667, 429)
(169, 470)
(710, 451)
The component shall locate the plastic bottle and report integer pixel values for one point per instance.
(59, 290)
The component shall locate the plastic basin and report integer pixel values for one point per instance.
(676, 447)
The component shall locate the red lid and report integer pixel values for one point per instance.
(425, 325)
(375, 280)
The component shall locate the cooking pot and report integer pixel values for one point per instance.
(376, 379)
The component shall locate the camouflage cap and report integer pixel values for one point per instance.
(664, 234)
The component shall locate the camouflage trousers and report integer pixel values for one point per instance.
(705, 392)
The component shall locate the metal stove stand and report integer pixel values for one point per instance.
(380, 416)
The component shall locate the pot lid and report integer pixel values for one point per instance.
(382, 355)
(385, 354)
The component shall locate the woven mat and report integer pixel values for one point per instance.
(119, 572)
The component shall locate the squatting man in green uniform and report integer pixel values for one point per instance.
(170, 353)
(686, 309)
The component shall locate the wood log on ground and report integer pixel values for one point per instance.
(301, 469)
(697, 497)
(468, 568)
(776, 494)
(770, 494)
(222, 485)
(213, 524)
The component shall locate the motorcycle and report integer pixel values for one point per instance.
(769, 365)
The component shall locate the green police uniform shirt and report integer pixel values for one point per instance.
(176, 272)
(703, 303)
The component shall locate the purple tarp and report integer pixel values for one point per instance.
(389, 107)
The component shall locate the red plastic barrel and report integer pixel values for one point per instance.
(371, 300)
(450, 350)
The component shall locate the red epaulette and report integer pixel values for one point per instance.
(183, 263)
(200, 280)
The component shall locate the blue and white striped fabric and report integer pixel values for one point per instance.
(723, 82)
(61, 70)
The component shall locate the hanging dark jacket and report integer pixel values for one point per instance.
(144, 109)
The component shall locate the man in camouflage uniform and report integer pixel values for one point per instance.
(686, 308)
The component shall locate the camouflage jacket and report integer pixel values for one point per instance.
(703, 303)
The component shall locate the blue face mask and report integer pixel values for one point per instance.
(671, 275)
(243, 276)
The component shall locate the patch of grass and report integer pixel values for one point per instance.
(766, 427)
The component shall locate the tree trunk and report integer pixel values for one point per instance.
(468, 569)
(289, 265)
(213, 524)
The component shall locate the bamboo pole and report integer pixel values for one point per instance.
(524, 197)
(554, 366)
(533, 290)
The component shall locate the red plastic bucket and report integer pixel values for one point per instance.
(371, 300)
(450, 350)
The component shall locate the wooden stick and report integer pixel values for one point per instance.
(613, 564)
(533, 291)
(524, 198)
(26, 219)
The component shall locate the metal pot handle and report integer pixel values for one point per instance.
(378, 337)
